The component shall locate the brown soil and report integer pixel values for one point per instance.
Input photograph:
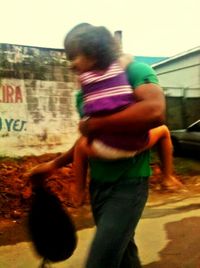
(16, 193)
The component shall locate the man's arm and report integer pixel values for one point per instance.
(46, 169)
(147, 113)
(65, 158)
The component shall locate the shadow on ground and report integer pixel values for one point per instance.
(183, 248)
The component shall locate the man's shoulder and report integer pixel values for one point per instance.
(140, 73)
(139, 65)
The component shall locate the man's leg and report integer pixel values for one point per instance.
(117, 209)
(130, 258)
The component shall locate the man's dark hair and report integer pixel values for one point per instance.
(94, 42)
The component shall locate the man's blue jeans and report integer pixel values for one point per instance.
(117, 208)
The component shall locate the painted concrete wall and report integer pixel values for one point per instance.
(37, 98)
(179, 74)
(36, 115)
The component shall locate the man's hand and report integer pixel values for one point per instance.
(39, 173)
(43, 169)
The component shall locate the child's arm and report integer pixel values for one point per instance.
(125, 60)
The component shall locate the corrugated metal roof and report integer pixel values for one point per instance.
(177, 56)
(150, 60)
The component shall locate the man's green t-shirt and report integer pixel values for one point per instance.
(138, 73)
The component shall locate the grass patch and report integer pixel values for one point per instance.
(187, 166)
(183, 165)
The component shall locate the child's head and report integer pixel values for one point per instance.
(94, 43)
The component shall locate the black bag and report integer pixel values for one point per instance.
(51, 228)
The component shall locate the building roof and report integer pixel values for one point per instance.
(177, 56)
(150, 60)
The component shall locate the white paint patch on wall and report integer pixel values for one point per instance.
(36, 116)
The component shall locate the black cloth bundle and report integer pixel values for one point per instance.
(51, 228)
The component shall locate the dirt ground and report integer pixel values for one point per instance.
(16, 192)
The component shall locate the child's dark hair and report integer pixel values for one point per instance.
(94, 42)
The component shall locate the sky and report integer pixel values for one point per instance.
(149, 27)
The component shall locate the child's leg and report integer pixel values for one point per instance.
(161, 136)
(80, 164)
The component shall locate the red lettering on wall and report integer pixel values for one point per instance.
(18, 94)
(10, 94)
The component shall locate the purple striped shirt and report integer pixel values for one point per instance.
(104, 93)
